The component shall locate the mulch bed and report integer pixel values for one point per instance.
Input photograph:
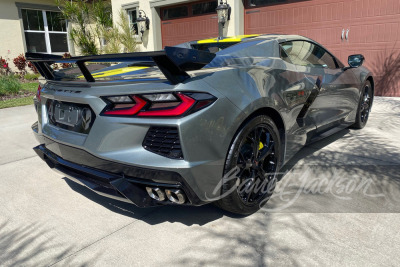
(21, 95)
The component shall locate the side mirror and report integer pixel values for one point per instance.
(356, 61)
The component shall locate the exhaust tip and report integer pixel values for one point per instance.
(175, 196)
(155, 193)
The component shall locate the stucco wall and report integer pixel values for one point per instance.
(152, 37)
(11, 35)
(148, 42)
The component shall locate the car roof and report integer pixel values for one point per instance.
(248, 37)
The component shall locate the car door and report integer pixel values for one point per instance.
(334, 94)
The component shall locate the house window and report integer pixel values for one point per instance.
(132, 14)
(196, 9)
(175, 12)
(258, 3)
(204, 8)
(45, 31)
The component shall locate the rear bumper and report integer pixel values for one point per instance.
(129, 188)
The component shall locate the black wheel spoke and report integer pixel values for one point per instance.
(266, 152)
(249, 187)
(255, 139)
(241, 172)
(242, 160)
(262, 173)
(246, 190)
(250, 194)
(256, 160)
(242, 157)
(366, 105)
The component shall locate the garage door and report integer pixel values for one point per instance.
(187, 22)
(345, 27)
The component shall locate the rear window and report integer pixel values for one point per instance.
(212, 47)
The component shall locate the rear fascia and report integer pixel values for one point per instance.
(204, 135)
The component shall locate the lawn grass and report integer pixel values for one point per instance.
(30, 87)
(16, 102)
(21, 101)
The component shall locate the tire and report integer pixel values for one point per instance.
(364, 106)
(241, 157)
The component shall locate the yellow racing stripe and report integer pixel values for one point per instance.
(113, 72)
(237, 38)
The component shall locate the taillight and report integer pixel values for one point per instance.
(38, 92)
(127, 109)
(157, 105)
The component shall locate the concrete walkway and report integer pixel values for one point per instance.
(47, 220)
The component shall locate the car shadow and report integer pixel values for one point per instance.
(29, 245)
(188, 215)
(310, 149)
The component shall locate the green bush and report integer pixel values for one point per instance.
(9, 85)
(31, 76)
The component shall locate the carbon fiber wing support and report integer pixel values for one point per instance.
(173, 62)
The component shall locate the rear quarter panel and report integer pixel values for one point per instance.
(271, 83)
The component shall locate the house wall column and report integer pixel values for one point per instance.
(236, 25)
(152, 39)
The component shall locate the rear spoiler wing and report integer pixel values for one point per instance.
(172, 61)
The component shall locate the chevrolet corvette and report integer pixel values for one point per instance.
(205, 121)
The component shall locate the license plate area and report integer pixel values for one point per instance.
(70, 116)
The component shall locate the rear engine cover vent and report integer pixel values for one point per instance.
(163, 141)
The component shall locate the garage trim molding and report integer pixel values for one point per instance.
(130, 5)
(160, 3)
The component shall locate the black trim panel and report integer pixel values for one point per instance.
(101, 170)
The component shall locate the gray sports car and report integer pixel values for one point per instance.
(206, 121)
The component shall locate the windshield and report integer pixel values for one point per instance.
(212, 47)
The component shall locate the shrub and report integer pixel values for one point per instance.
(20, 63)
(127, 35)
(32, 67)
(79, 13)
(93, 25)
(31, 76)
(66, 65)
(9, 85)
(4, 68)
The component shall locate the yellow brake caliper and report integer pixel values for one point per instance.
(260, 146)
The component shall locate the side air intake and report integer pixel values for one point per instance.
(163, 141)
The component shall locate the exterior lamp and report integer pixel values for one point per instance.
(223, 12)
(143, 22)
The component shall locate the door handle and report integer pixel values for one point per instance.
(347, 34)
(342, 34)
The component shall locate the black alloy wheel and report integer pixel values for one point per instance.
(366, 103)
(364, 106)
(255, 156)
(257, 162)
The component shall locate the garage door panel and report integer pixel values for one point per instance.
(183, 30)
(190, 27)
(374, 28)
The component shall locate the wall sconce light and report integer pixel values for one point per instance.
(143, 22)
(223, 12)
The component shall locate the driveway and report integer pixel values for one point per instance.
(337, 203)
